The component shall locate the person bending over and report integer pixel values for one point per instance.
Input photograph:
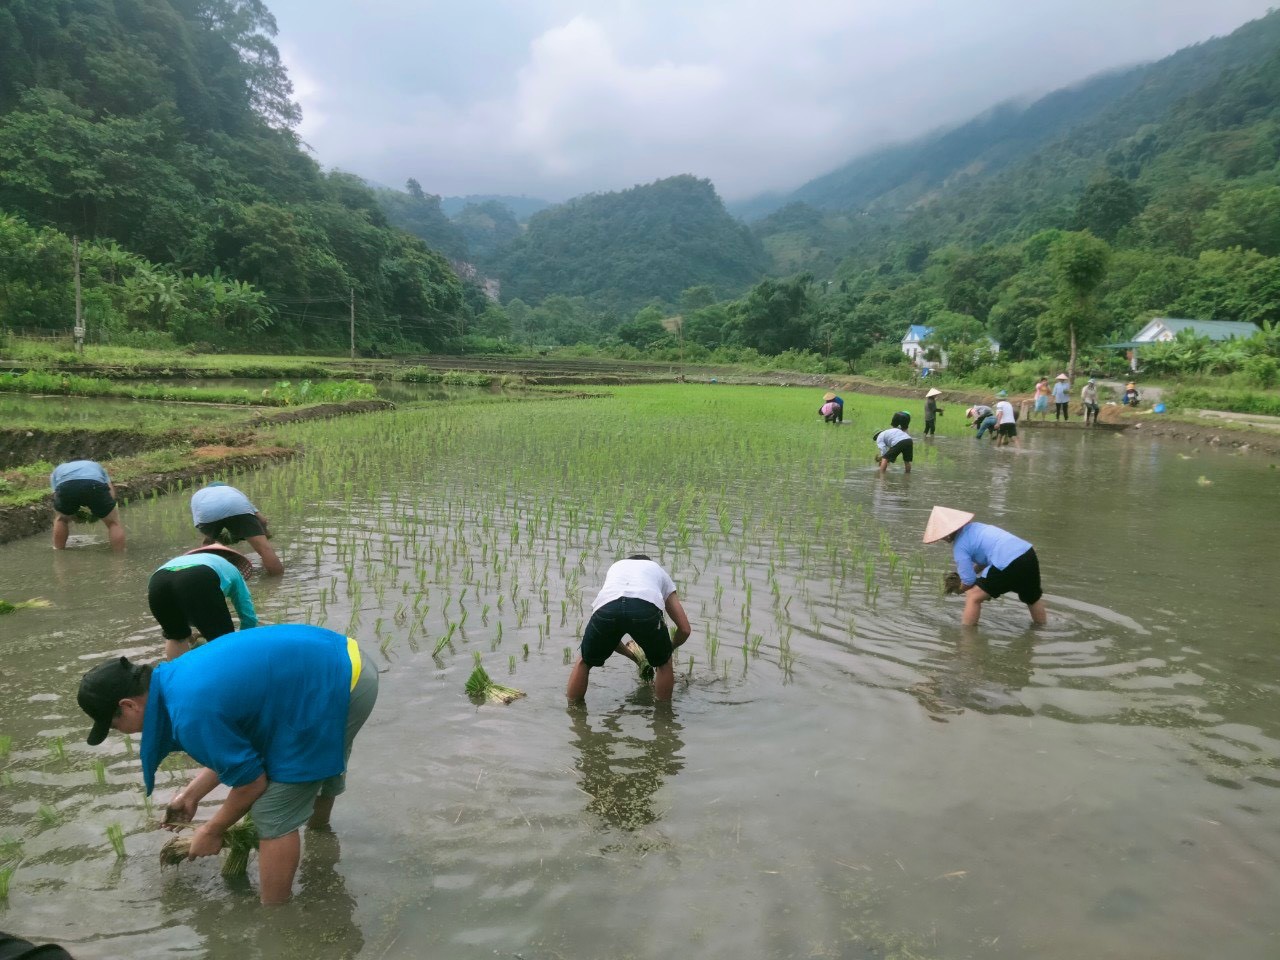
(222, 512)
(631, 602)
(84, 483)
(990, 562)
(191, 590)
(270, 712)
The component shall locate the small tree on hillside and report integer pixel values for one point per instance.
(1079, 262)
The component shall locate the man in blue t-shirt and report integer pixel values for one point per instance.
(84, 483)
(990, 561)
(270, 712)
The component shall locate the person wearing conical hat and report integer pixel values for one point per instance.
(990, 561)
(1061, 397)
(982, 418)
(837, 407)
(192, 590)
(1130, 398)
(931, 411)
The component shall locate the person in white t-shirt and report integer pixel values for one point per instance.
(1006, 421)
(630, 603)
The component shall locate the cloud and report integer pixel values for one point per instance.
(556, 98)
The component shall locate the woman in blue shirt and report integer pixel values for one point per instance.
(991, 562)
(189, 590)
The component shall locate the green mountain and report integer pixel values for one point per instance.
(622, 250)
(161, 133)
(521, 207)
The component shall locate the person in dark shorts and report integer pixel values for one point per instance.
(271, 713)
(894, 443)
(224, 514)
(931, 411)
(631, 602)
(189, 590)
(1006, 421)
(990, 561)
(84, 483)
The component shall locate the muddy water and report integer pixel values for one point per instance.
(871, 781)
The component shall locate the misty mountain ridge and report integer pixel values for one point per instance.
(1114, 104)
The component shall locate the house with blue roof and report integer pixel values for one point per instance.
(1164, 329)
(913, 345)
(913, 342)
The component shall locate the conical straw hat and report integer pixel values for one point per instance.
(1062, 376)
(944, 521)
(935, 392)
(828, 397)
(243, 563)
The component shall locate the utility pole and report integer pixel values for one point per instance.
(353, 323)
(79, 328)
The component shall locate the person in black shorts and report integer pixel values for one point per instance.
(191, 591)
(224, 514)
(894, 443)
(84, 483)
(631, 602)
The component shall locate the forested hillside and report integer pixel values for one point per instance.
(621, 250)
(160, 132)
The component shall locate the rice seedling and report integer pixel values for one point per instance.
(58, 749)
(480, 686)
(6, 744)
(48, 815)
(6, 876)
(7, 606)
(115, 834)
(100, 772)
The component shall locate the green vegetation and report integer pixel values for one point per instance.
(170, 150)
(283, 394)
(480, 686)
(621, 250)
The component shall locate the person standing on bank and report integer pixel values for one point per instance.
(189, 590)
(1062, 397)
(84, 483)
(220, 508)
(990, 561)
(894, 443)
(271, 713)
(635, 592)
(1089, 397)
(931, 411)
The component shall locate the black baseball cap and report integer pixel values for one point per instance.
(102, 689)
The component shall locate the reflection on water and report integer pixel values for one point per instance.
(621, 771)
(978, 674)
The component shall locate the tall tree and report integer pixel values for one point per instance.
(1079, 262)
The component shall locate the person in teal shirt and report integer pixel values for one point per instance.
(271, 713)
(191, 590)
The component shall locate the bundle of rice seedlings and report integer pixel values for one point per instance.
(643, 665)
(951, 583)
(237, 842)
(480, 686)
(7, 607)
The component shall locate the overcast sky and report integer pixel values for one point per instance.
(554, 98)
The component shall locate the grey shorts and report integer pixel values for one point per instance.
(284, 807)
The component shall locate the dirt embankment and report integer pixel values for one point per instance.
(1246, 441)
(19, 446)
(322, 411)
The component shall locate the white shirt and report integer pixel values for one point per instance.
(642, 579)
(1004, 412)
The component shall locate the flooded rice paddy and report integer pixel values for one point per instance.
(844, 772)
